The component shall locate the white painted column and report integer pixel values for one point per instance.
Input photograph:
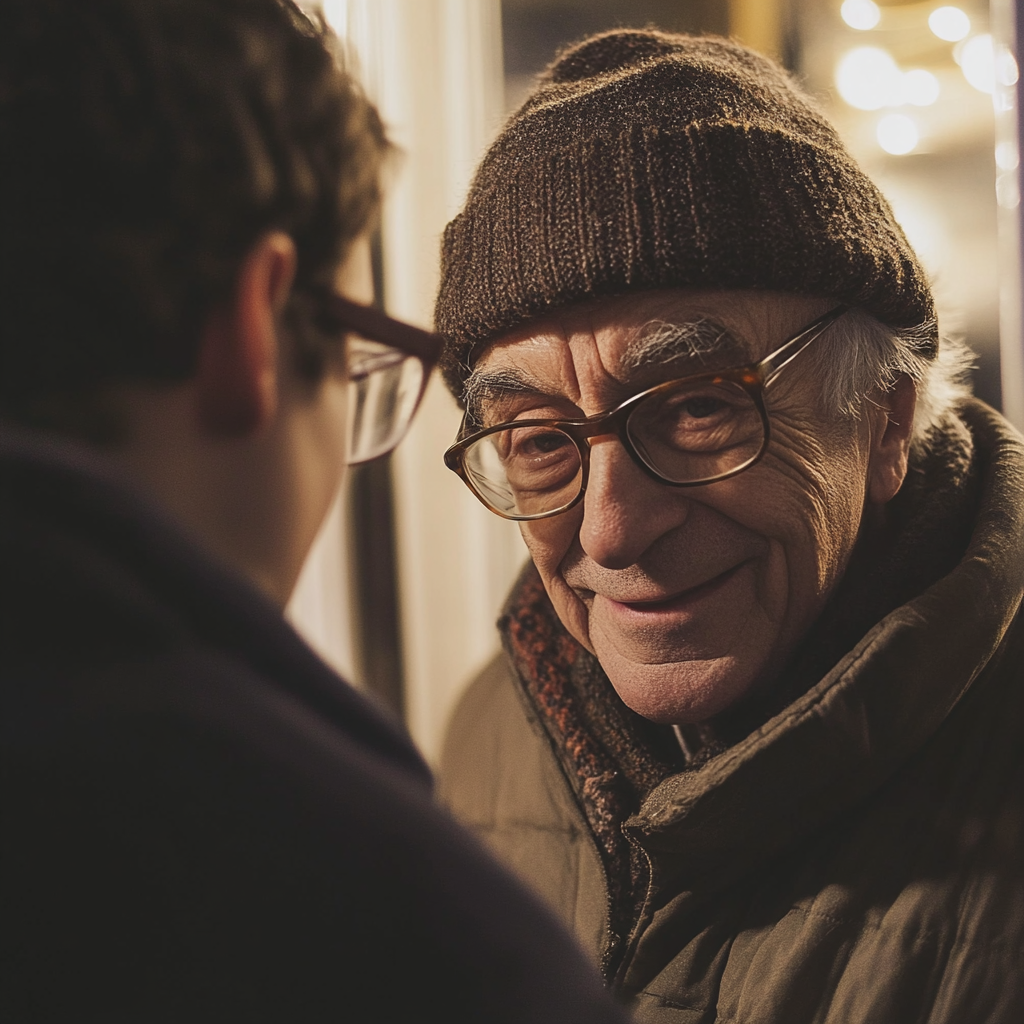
(434, 68)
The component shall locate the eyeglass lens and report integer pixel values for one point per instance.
(384, 389)
(693, 432)
(525, 471)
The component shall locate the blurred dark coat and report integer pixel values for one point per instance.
(852, 852)
(201, 822)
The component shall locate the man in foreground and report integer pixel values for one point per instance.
(200, 822)
(758, 730)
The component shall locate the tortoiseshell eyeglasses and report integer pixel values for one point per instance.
(685, 433)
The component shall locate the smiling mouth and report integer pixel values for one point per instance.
(686, 597)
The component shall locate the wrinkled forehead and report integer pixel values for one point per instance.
(601, 347)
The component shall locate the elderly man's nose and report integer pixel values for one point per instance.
(624, 510)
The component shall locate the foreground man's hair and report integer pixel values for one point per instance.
(191, 129)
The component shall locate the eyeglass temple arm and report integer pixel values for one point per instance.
(783, 356)
(378, 326)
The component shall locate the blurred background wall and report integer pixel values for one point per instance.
(404, 585)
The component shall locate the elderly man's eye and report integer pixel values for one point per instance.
(531, 461)
(695, 409)
(706, 418)
(533, 443)
(700, 407)
(544, 444)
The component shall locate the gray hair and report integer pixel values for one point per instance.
(859, 354)
(855, 356)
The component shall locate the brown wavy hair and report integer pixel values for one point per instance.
(145, 145)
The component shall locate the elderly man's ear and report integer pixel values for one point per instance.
(892, 412)
(237, 380)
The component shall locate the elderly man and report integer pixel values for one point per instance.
(757, 730)
(200, 821)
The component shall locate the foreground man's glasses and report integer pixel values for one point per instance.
(389, 364)
(686, 432)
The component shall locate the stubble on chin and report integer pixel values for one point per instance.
(675, 692)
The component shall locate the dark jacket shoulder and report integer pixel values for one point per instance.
(201, 821)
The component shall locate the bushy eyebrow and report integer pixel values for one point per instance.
(483, 385)
(654, 344)
(659, 342)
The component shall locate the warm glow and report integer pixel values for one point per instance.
(920, 87)
(924, 224)
(868, 79)
(1007, 72)
(1007, 157)
(860, 14)
(1007, 191)
(336, 13)
(897, 134)
(978, 63)
(949, 23)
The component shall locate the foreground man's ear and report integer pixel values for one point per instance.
(237, 373)
(890, 443)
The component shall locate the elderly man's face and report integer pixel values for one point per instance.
(691, 596)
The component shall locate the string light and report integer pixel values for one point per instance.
(1007, 158)
(860, 14)
(949, 23)
(868, 78)
(978, 63)
(897, 134)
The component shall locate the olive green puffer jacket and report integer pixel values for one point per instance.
(858, 857)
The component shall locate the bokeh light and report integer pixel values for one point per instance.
(1007, 157)
(897, 134)
(978, 63)
(868, 79)
(1007, 191)
(860, 14)
(949, 23)
(1007, 72)
(920, 87)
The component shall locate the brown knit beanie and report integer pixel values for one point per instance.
(648, 160)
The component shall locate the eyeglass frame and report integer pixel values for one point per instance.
(336, 313)
(753, 378)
